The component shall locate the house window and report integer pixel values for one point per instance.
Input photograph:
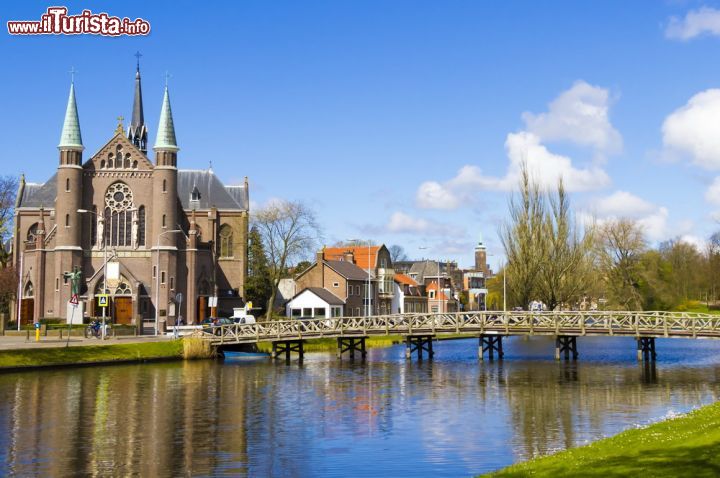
(307, 312)
(434, 308)
(154, 272)
(336, 284)
(164, 185)
(357, 311)
(226, 241)
(296, 312)
(163, 221)
(162, 277)
(67, 220)
(337, 311)
(383, 263)
(431, 294)
(319, 312)
(357, 290)
(172, 283)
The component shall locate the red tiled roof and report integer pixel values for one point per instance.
(403, 279)
(362, 259)
(441, 295)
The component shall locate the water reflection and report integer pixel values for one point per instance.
(453, 416)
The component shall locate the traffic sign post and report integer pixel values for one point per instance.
(74, 299)
(103, 300)
(37, 331)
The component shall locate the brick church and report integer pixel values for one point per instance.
(158, 230)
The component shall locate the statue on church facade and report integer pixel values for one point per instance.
(100, 231)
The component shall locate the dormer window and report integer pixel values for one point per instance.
(195, 194)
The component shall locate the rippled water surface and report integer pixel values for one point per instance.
(453, 416)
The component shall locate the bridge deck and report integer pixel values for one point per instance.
(634, 324)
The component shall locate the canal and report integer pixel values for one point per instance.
(453, 416)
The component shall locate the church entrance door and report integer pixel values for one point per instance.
(27, 307)
(202, 309)
(123, 310)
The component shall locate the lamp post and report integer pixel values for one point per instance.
(157, 276)
(105, 261)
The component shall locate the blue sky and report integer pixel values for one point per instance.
(401, 120)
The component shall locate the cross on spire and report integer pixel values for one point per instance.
(72, 74)
(120, 126)
(138, 55)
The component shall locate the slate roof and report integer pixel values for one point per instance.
(212, 192)
(325, 295)
(348, 270)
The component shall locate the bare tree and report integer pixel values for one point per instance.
(290, 233)
(8, 191)
(521, 237)
(564, 272)
(397, 253)
(620, 244)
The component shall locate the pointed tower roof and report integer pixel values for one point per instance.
(137, 131)
(165, 139)
(70, 138)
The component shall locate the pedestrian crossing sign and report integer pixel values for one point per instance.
(102, 300)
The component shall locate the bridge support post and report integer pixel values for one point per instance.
(285, 347)
(351, 345)
(646, 348)
(566, 344)
(490, 344)
(418, 343)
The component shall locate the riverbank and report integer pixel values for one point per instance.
(90, 354)
(684, 446)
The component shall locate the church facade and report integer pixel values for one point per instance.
(171, 240)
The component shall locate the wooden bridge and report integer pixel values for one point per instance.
(489, 327)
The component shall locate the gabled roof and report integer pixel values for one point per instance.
(433, 286)
(365, 256)
(348, 270)
(213, 193)
(39, 195)
(324, 294)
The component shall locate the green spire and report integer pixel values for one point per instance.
(70, 137)
(165, 139)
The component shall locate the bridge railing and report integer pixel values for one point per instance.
(510, 322)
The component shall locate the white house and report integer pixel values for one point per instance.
(315, 302)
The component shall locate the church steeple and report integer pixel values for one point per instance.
(137, 131)
(165, 140)
(70, 138)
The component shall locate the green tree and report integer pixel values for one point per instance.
(259, 284)
(301, 267)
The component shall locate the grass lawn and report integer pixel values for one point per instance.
(89, 354)
(685, 446)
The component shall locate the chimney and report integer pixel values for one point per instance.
(349, 257)
(319, 257)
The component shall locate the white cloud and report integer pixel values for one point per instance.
(433, 195)
(578, 115)
(622, 203)
(652, 218)
(699, 243)
(712, 195)
(692, 129)
(704, 20)
(404, 223)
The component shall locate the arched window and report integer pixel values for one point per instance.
(32, 232)
(67, 184)
(226, 241)
(102, 164)
(28, 291)
(164, 185)
(141, 226)
(118, 215)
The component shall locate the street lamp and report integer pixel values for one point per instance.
(105, 260)
(157, 275)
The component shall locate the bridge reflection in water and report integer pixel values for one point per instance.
(490, 327)
(256, 419)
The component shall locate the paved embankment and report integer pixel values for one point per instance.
(684, 446)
